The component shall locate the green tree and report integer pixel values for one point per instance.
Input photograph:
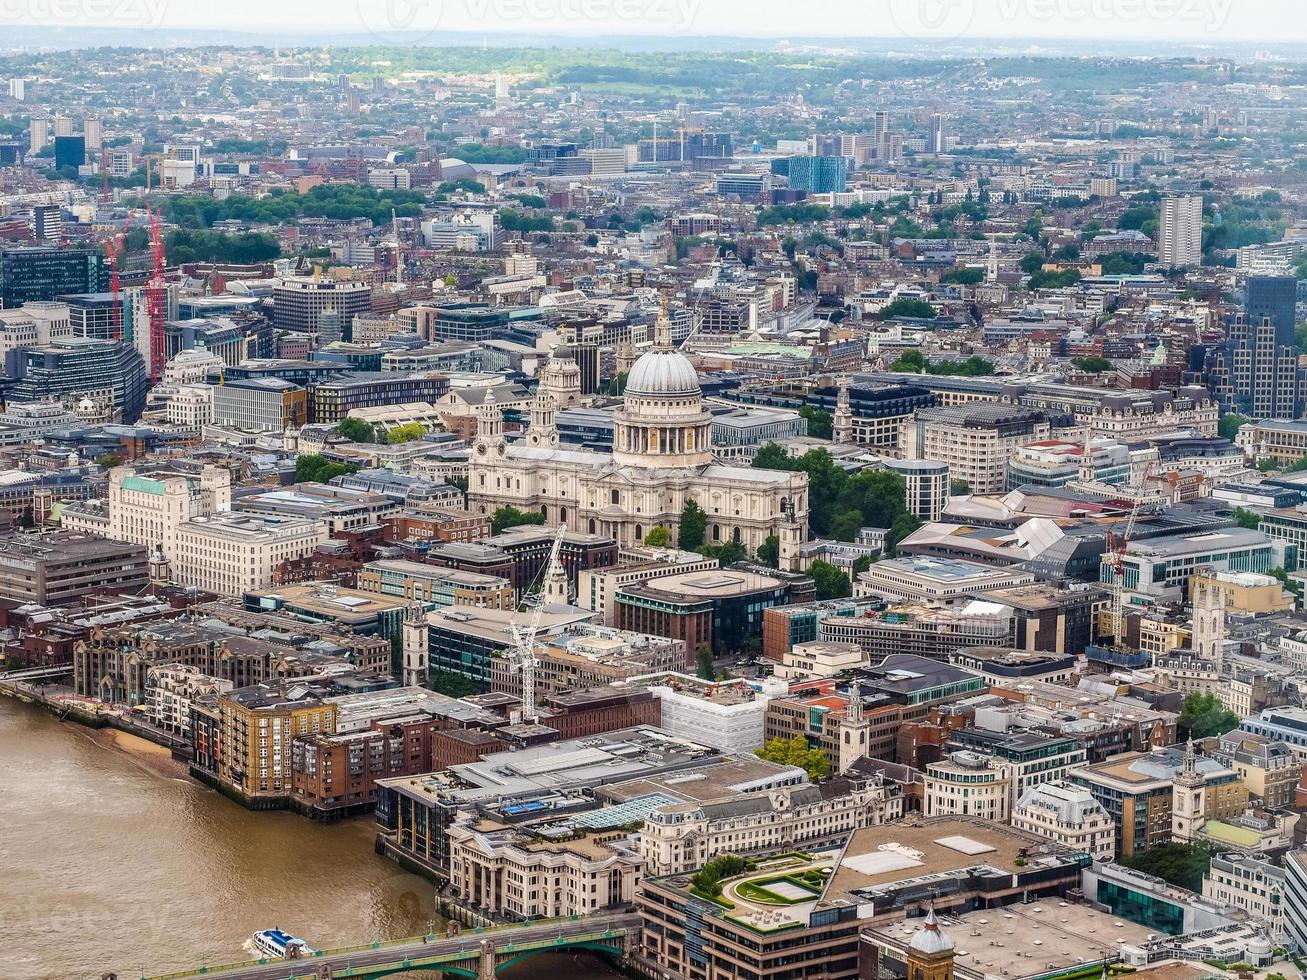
(1032, 262)
(796, 752)
(908, 306)
(1247, 518)
(831, 582)
(316, 468)
(658, 537)
(1092, 364)
(769, 552)
(109, 460)
(1180, 864)
(506, 517)
(694, 525)
(820, 423)
(707, 670)
(969, 276)
(1203, 716)
(356, 430)
(617, 386)
(728, 552)
(1292, 584)
(407, 432)
(1230, 425)
(28, 517)
(958, 488)
(910, 361)
(451, 684)
(707, 881)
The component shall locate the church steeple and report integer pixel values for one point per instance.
(843, 427)
(1188, 798)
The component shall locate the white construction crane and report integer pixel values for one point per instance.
(1116, 548)
(524, 639)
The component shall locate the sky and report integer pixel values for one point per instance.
(1191, 21)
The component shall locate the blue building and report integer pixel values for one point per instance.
(819, 175)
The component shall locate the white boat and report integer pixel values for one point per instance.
(274, 942)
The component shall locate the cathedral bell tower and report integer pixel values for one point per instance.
(543, 430)
(490, 424)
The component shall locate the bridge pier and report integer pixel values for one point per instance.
(486, 965)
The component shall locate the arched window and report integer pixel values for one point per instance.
(562, 515)
(639, 532)
(735, 535)
(592, 525)
(716, 532)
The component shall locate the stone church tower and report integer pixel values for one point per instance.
(1188, 799)
(930, 952)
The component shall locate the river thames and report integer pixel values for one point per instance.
(112, 859)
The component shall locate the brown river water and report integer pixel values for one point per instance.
(111, 858)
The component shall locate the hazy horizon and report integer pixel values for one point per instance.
(1188, 22)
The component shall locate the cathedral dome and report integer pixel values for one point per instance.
(663, 372)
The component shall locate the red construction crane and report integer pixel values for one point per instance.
(155, 297)
(113, 251)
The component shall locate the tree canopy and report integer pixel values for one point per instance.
(1203, 716)
(356, 430)
(316, 468)
(840, 503)
(694, 525)
(796, 752)
(1180, 864)
(506, 517)
(831, 582)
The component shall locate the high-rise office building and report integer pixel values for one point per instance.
(299, 302)
(93, 130)
(1180, 232)
(42, 274)
(1257, 370)
(69, 151)
(81, 367)
(882, 122)
(1274, 298)
(935, 144)
(40, 133)
(818, 175)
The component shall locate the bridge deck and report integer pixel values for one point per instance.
(426, 952)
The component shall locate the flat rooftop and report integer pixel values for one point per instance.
(1026, 940)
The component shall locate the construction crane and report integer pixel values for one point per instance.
(524, 639)
(113, 253)
(1116, 556)
(399, 248)
(155, 297)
